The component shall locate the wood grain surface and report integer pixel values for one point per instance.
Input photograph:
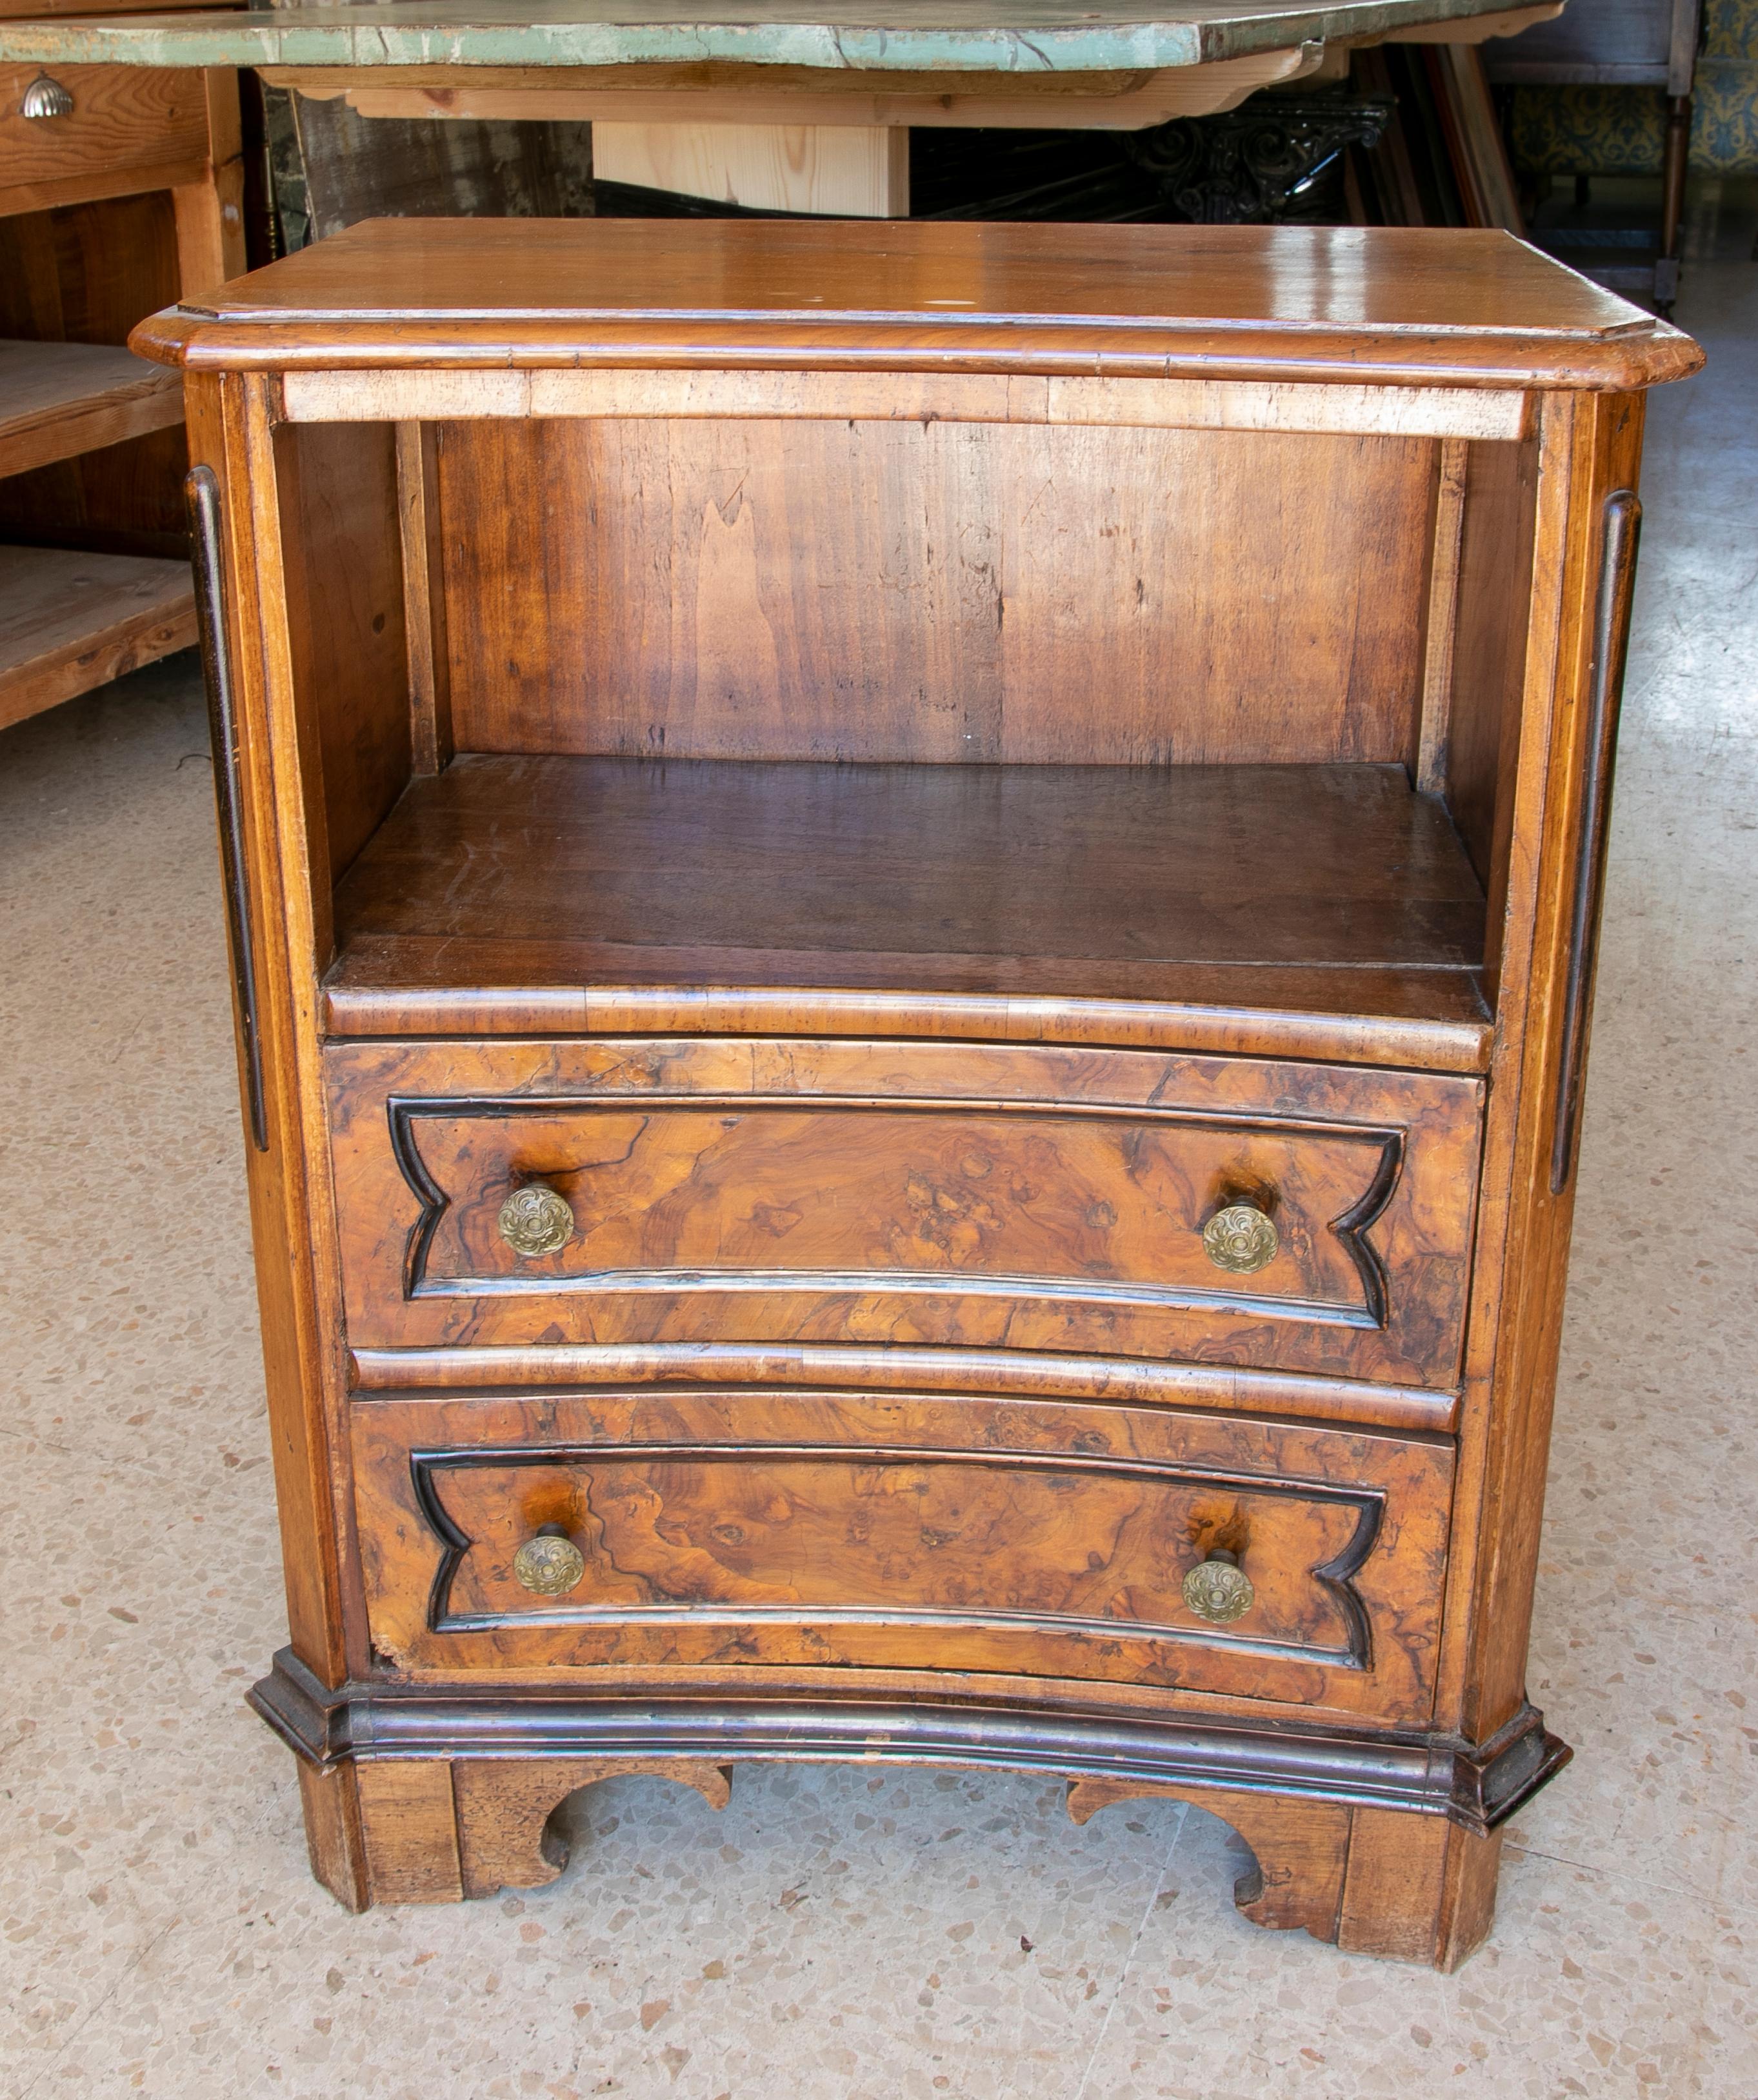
(1072, 879)
(887, 1367)
(343, 578)
(1321, 910)
(124, 120)
(1401, 279)
(849, 171)
(409, 1824)
(505, 1839)
(895, 591)
(783, 96)
(1405, 1888)
(83, 275)
(966, 1196)
(291, 1215)
(426, 985)
(1413, 1888)
(1295, 1395)
(1299, 1848)
(59, 399)
(69, 621)
(423, 597)
(1490, 652)
(435, 395)
(1591, 448)
(1402, 306)
(963, 1534)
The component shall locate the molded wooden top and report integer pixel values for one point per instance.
(993, 37)
(1395, 305)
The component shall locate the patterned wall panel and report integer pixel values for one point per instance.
(1619, 130)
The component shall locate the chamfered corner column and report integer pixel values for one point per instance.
(1417, 1888)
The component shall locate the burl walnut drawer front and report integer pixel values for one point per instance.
(1037, 1198)
(106, 120)
(708, 1530)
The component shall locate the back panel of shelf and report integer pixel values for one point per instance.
(928, 594)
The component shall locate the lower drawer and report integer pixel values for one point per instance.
(702, 1531)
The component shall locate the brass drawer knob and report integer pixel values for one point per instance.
(1218, 1589)
(549, 1563)
(1241, 1239)
(45, 98)
(535, 1220)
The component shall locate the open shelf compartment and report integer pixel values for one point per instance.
(1315, 890)
(910, 727)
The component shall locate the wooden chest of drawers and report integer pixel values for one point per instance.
(913, 913)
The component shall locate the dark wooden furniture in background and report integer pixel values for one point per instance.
(119, 189)
(1620, 43)
(914, 913)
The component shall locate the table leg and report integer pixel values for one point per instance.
(1673, 204)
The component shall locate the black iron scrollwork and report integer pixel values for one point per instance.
(1248, 165)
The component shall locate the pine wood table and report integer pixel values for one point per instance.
(120, 187)
(791, 105)
(913, 913)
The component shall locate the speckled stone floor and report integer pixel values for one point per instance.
(836, 1934)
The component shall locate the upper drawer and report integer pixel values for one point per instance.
(949, 1194)
(125, 120)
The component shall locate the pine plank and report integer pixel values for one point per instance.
(58, 400)
(69, 621)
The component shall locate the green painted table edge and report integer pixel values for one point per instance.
(1026, 36)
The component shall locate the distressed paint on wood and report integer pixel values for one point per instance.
(1023, 36)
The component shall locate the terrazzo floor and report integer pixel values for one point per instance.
(836, 1934)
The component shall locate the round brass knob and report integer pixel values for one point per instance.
(535, 1220)
(1218, 1589)
(46, 97)
(549, 1563)
(1241, 1239)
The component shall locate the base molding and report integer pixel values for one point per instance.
(1378, 1847)
(1473, 1786)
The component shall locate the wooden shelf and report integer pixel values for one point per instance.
(1291, 905)
(69, 621)
(58, 400)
